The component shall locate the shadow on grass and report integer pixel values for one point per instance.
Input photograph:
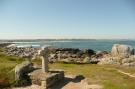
(67, 80)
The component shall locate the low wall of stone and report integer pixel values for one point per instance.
(46, 79)
(53, 79)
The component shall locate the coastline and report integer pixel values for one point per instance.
(95, 44)
(76, 55)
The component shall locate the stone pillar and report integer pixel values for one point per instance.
(43, 85)
(43, 53)
(44, 57)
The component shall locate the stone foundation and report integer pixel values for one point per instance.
(46, 80)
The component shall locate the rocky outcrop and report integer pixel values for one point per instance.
(70, 55)
(21, 70)
(128, 61)
(21, 52)
(110, 60)
(121, 55)
(99, 56)
(122, 50)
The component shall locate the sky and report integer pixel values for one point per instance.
(58, 19)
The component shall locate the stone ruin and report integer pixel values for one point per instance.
(40, 76)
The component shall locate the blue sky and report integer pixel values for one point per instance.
(101, 19)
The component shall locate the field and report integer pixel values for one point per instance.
(106, 75)
(7, 64)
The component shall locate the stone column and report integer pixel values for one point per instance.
(44, 57)
(43, 85)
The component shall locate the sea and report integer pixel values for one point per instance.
(95, 44)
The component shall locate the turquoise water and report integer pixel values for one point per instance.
(81, 44)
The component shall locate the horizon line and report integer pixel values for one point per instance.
(71, 39)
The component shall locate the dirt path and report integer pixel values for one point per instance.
(125, 73)
(122, 72)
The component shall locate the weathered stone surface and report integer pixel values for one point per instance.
(120, 54)
(89, 52)
(109, 60)
(22, 52)
(43, 53)
(46, 79)
(21, 70)
(86, 60)
(69, 55)
(132, 64)
(99, 56)
(122, 50)
(94, 60)
(55, 54)
(128, 60)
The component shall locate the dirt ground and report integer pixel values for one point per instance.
(70, 82)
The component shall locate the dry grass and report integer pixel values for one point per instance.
(7, 64)
(106, 75)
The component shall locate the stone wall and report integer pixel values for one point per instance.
(46, 79)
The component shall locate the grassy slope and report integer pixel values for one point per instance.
(7, 64)
(105, 74)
